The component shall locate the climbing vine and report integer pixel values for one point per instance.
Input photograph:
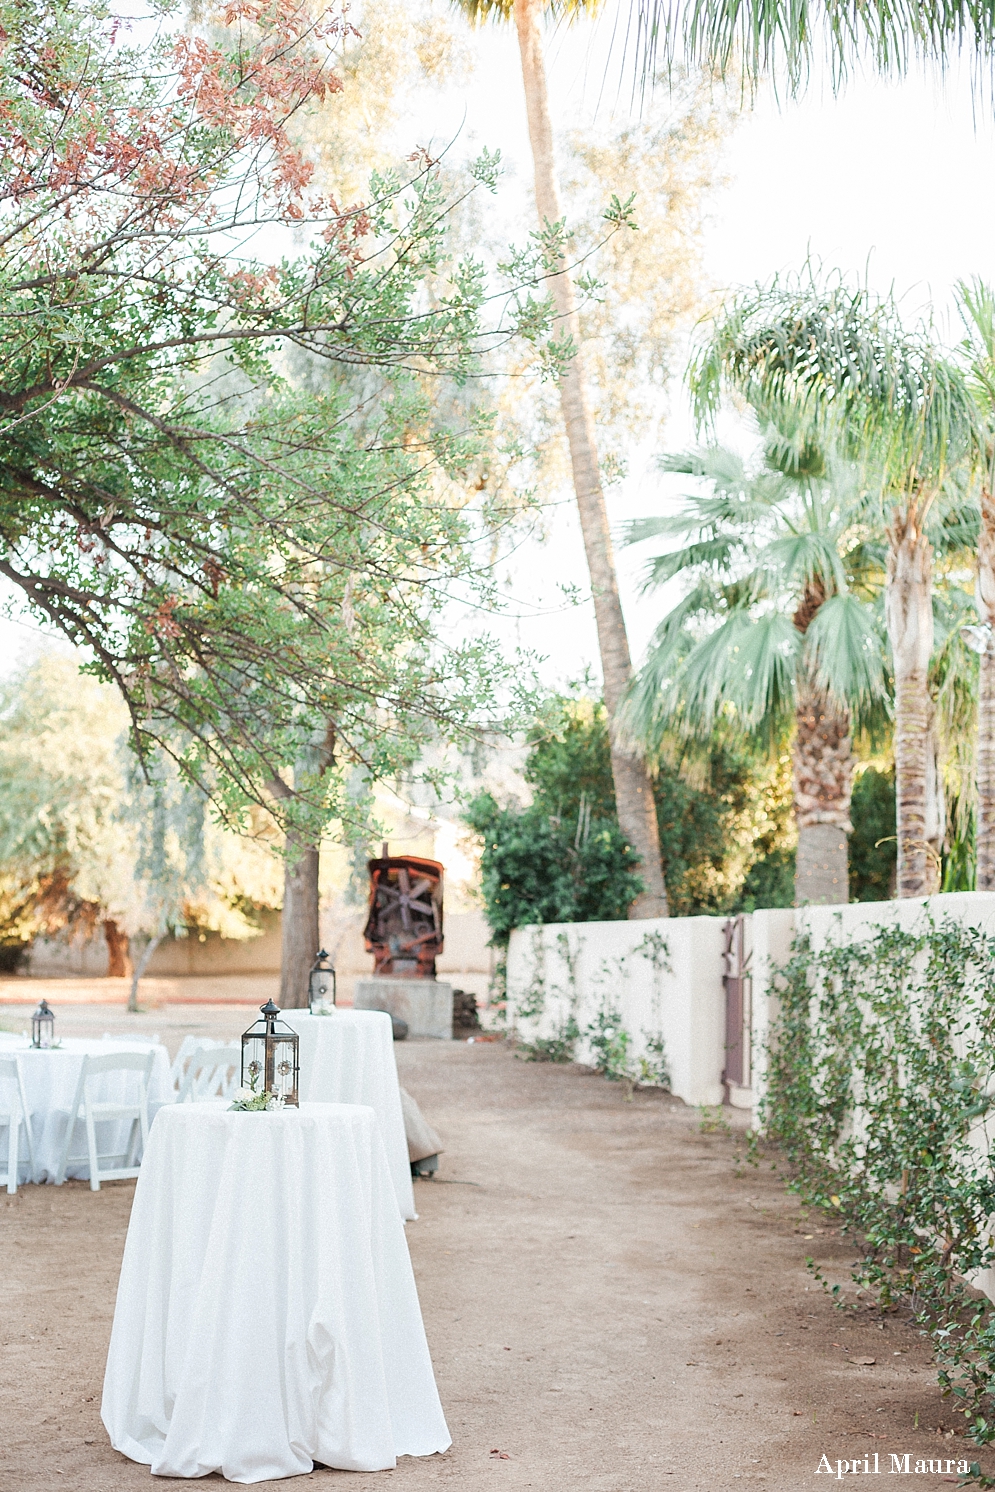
(610, 1044)
(881, 1085)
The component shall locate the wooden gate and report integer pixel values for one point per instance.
(738, 985)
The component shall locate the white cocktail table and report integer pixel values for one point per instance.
(348, 1057)
(50, 1078)
(266, 1314)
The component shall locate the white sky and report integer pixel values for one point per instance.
(895, 180)
(890, 180)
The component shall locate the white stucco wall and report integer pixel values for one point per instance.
(773, 933)
(580, 967)
(663, 976)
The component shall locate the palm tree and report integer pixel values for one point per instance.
(787, 35)
(778, 623)
(633, 788)
(897, 405)
(978, 307)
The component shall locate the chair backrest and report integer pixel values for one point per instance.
(119, 1062)
(234, 1068)
(188, 1046)
(12, 1083)
(208, 1071)
(92, 1067)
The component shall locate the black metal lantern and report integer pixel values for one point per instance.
(269, 1056)
(43, 1026)
(321, 980)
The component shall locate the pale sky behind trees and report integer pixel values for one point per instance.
(895, 180)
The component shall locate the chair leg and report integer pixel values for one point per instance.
(29, 1137)
(12, 1153)
(91, 1145)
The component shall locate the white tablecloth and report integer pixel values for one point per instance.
(348, 1057)
(266, 1313)
(50, 1079)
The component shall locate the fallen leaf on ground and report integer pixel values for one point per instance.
(863, 1362)
(501, 1455)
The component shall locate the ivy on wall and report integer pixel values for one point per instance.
(611, 1046)
(881, 1086)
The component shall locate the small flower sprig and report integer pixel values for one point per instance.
(255, 1100)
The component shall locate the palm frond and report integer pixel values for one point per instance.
(711, 554)
(746, 663)
(725, 469)
(801, 557)
(671, 636)
(843, 358)
(844, 648)
(787, 36)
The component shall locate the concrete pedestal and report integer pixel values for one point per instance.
(425, 1004)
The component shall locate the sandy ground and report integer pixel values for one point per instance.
(612, 1300)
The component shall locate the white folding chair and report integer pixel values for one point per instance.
(14, 1113)
(188, 1046)
(213, 1072)
(92, 1113)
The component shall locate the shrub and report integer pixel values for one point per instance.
(881, 1077)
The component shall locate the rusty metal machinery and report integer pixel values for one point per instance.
(404, 928)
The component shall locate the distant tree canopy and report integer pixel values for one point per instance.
(85, 839)
(563, 859)
(224, 477)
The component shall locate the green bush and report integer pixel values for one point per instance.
(769, 882)
(536, 867)
(881, 1075)
(873, 847)
(563, 859)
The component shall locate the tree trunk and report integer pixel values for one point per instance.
(117, 951)
(823, 777)
(908, 608)
(986, 700)
(298, 925)
(633, 788)
(822, 772)
(140, 967)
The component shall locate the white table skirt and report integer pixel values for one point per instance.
(348, 1057)
(50, 1079)
(266, 1313)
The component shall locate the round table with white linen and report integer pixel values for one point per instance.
(348, 1057)
(51, 1075)
(267, 1315)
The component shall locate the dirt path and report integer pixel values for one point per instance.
(609, 1303)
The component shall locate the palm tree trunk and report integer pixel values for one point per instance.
(633, 788)
(822, 770)
(823, 778)
(300, 940)
(908, 606)
(985, 770)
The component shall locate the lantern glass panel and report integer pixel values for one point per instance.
(253, 1061)
(321, 984)
(270, 1056)
(284, 1083)
(43, 1026)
